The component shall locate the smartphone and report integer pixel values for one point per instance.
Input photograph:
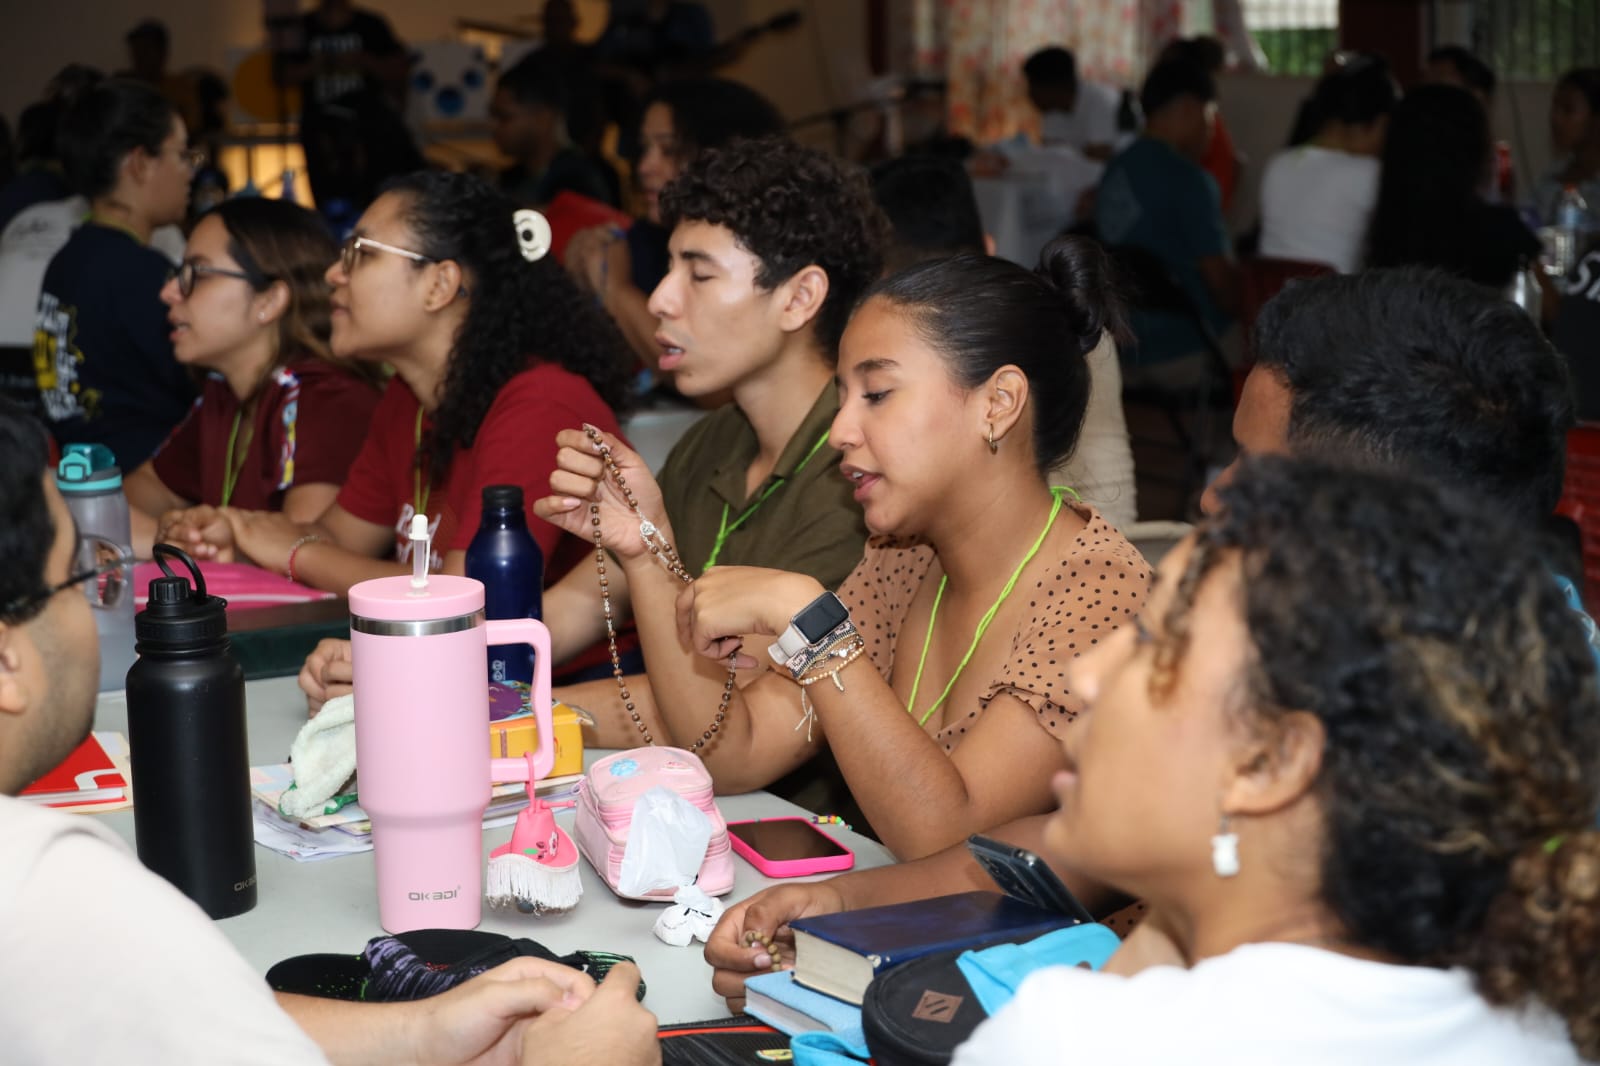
(1022, 874)
(788, 847)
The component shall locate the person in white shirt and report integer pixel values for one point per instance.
(1349, 755)
(1079, 114)
(106, 962)
(1317, 198)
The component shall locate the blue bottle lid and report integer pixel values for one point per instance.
(88, 468)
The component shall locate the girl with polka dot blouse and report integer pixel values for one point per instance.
(960, 382)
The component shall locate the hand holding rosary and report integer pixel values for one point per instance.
(662, 549)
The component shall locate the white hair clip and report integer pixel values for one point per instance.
(533, 234)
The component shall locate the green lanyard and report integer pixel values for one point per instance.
(983, 623)
(724, 529)
(231, 469)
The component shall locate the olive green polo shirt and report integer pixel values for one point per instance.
(807, 524)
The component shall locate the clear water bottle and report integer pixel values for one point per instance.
(187, 745)
(1572, 227)
(505, 557)
(91, 484)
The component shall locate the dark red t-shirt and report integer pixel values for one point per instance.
(515, 445)
(310, 422)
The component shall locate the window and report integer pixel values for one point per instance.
(1295, 35)
(1536, 39)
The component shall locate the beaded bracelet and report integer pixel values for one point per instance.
(804, 661)
(845, 656)
(288, 568)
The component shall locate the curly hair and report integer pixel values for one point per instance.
(981, 313)
(1427, 373)
(1457, 692)
(278, 240)
(518, 312)
(790, 207)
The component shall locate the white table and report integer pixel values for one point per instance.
(1034, 200)
(332, 906)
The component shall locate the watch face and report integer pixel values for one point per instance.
(820, 617)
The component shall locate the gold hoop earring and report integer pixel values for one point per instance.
(994, 445)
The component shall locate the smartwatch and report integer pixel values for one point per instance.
(815, 621)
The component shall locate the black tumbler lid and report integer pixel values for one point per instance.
(176, 612)
(506, 496)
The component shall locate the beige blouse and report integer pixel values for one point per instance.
(1076, 602)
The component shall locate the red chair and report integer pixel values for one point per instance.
(1580, 500)
(1262, 278)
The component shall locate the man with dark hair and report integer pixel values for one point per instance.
(1155, 197)
(1452, 64)
(1074, 112)
(102, 354)
(168, 987)
(1405, 370)
(931, 208)
(529, 115)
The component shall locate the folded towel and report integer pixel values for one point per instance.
(323, 757)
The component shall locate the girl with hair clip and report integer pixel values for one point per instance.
(1349, 755)
(493, 349)
(281, 418)
(935, 676)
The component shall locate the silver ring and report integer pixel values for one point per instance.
(430, 627)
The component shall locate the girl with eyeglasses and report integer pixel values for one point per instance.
(494, 350)
(281, 418)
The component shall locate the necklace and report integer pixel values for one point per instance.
(230, 468)
(983, 623)
(663, 550)
(724, 529)
(421, 485)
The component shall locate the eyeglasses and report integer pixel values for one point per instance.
(99, 562)
(355, 247)
(193, 158)
(188, 273)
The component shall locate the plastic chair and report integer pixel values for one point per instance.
(1580, 501)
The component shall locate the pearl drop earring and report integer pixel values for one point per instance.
(1225, 850)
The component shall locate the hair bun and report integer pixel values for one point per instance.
(533, 234)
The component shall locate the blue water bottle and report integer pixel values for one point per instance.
(504, 556)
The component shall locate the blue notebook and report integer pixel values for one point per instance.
(776, 999)
(838, 954)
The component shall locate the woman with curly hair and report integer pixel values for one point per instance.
(934, 678)
(494, 350)
(1350, 756)
(281, 418)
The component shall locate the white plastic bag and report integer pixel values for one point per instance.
(667, 842)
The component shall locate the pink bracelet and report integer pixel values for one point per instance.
(288, 570)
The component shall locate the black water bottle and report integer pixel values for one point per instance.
(187, 745)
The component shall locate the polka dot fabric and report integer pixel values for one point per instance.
(1076, 603)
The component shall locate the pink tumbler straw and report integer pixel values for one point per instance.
(418, 647)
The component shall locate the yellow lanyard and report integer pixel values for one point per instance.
(724, 528)
(420, 485)
(231, 469)
(983, 623)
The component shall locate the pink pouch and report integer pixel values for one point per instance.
(242, 585)
(606, 797)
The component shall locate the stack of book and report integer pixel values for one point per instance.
(93, 779)
(836, 956)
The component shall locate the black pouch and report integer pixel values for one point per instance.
(737, 1041)
(917, 1013)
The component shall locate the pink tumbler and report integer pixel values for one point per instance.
(422, 740)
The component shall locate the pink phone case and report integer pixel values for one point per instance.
(822, 864)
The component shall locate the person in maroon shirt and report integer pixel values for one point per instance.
(281, 418)
(494, 351)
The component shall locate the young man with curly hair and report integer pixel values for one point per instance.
(772, 243)
(168, 986)
(1405, 370)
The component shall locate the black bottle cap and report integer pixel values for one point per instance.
(178, 613)
(507, 497)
